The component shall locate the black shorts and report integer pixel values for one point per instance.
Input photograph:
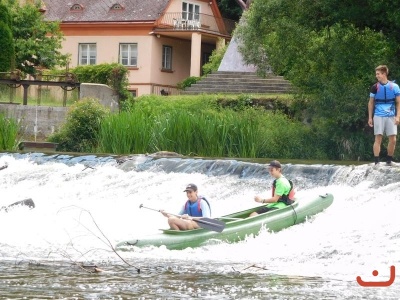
(265, 209)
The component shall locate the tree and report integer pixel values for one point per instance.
(244, 4)
(6, 40)
(37, 42)
(229, 9)
(328, 49)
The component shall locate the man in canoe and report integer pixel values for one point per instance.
(282, 190)
(195, 207)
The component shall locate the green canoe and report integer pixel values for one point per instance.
(237, 226)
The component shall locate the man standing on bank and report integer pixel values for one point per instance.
(195, 207)
(384, 112)
(282, 191)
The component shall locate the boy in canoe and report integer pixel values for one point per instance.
(195, 207)
(282, 190)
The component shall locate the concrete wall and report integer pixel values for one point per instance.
(106, 95)
(41, 121)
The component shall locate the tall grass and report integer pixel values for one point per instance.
(249, 133)
(8, 133)
(127, 132)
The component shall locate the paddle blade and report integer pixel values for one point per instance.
(211, 224)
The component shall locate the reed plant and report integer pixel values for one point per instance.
(248, 133)
(8, 133)
(127, 132)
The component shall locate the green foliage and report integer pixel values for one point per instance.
(79, 134)
(6, 40)
(214, 61)
(241, 102)
(114, 75)
(37, 42)
(187, 82)
(196, 125)
(328, 50)
(230, 9)
(8, 133)
(5, 15)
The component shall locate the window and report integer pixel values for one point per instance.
(87, 54)
(128, 54)
(76, 7)
(190, 11)
(117, 6)
(133, 92)
(167, 58)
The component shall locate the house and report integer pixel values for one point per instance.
(161, 42)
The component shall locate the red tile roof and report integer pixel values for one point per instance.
(100, 10)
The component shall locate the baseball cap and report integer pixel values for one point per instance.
(275, 164)
(191, 187)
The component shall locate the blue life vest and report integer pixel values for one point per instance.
(382, 94)
(193, 209)
(384, 98)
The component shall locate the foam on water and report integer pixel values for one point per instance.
(80, 211)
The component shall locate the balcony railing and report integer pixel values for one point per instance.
(191, 21)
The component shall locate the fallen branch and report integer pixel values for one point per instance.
(104, 240)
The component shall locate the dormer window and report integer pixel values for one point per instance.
(117, 6)
(76, 7)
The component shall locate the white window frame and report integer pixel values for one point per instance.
(167, 58)
(87, 54)
(190, 11)
(128, 57)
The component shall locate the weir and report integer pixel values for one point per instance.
(81, 200)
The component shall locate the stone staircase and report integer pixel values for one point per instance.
(238, 83)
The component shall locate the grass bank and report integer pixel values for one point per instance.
(207, 125)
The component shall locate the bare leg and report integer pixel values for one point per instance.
(377, 144)
(391, 145)
(181, 224)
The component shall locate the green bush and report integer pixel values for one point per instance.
(8, 133)
(79, 134)
(214, 61)
(114, 75)
(187, 82)
(7, 57)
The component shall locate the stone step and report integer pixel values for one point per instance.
(252, 83)
(243, 75)
(217, 90)
(235, 89)
(239, 82)
(230, 92)
(244, 80)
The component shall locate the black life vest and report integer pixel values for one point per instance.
(285, 198)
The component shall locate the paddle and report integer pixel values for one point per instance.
(27, 202)
(3, 167)
(206, 223)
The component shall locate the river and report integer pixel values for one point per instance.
(86, 204)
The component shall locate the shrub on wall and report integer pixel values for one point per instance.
(79, 134)
(114, 75)
(8, 133)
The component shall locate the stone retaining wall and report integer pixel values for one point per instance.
(42, 121)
